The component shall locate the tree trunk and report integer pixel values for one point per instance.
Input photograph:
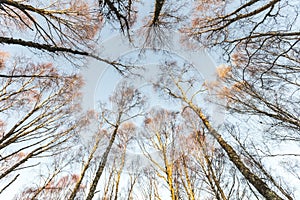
(85, 167)
(259, 184)
(102, 165)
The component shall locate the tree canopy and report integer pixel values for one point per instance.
(128, 148)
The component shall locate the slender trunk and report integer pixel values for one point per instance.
(119, 173)
(168, 168)
(259, 166)
(107, 186)
(157, 10)
(11, 182)
(211, 172)
(169, 172)
(189, 189)
(131, 186)
(85, 167)
(45, 185)
(102, 165)
(259, 184)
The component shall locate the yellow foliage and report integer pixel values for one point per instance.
(223, 71)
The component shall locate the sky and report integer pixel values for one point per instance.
(101, 80)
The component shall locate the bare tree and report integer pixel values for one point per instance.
(173, 83)
(166, 17)
(68, 29)
(127, 103)
(56, 183)
(216, 22)
(58, 26)
(86, 165)
(259, 82)
(40, 116)
(116, 184)
(122, 12)
(203, 157)
(161, 131)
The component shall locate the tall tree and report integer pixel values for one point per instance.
(259, 23)
(122, 12)
(39, 114)
(68, 29)
(161, 131)
(173, 82)
(127, 103)
(257, 40)
(259, 80)
(57, 26)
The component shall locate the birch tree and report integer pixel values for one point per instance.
(174, 83)
(161, 131)
(127, 103)
(38, 116)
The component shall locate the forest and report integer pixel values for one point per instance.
(150, 100)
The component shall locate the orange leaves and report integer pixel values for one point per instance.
(14, 20)
(30, 96)
(227, 85)
(90, 117)
(205, 11)
(86, 21)
(147, 121)
(2, 125)
(125, 133)
(128, 126)
(72, 23)
(225, 93)
(239, 59)
(239, 86)
(211, 85)
(46, 69)
(223, 71)
(63, 183)
(230, 92)
(3, 57)
(203, 5)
